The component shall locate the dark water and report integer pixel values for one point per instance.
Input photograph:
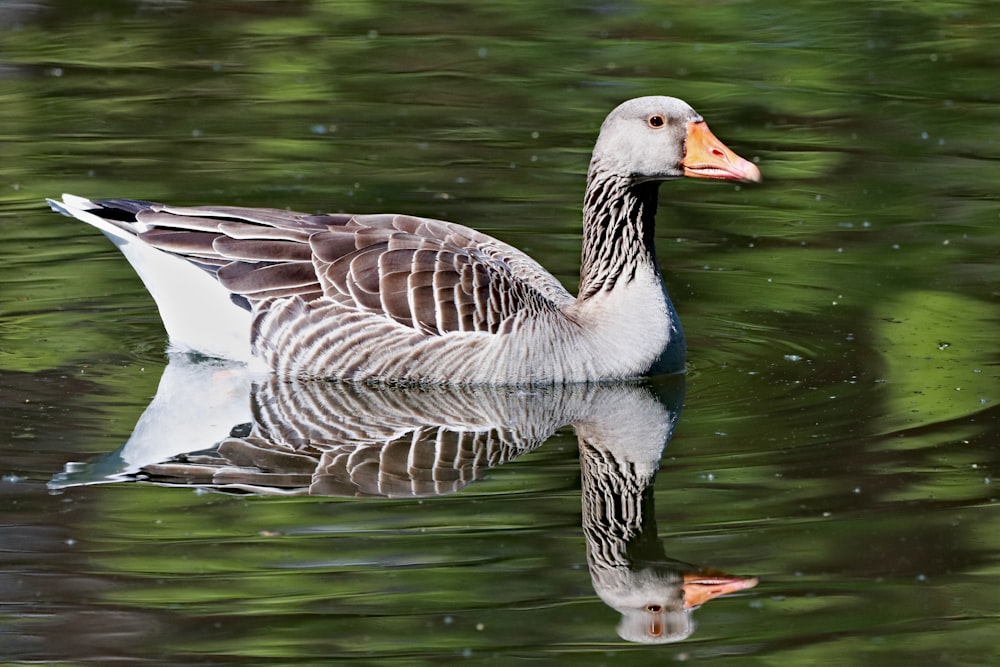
(839, 436)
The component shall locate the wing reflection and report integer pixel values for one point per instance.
(332, 439)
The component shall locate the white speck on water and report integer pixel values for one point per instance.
(448, 620)
(12, 479)
(827, 514)
(987, 481)
(318, 128)
(866, 224)
(56, 71)
(480, 627)
(921, 577)
(482, 52)
(535, 134)
(372, 34)
(924, 135)
(792, 357)
(895, 246)
(857, 490)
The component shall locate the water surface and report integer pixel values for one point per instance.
(838, 439)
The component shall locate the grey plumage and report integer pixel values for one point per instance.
(407, 299)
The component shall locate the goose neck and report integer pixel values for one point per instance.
(618, 229)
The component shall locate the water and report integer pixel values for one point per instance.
(838, 440)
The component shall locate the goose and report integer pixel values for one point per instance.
(405, 299)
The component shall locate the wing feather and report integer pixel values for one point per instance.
(434, 276)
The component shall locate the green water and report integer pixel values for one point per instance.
(839, 438)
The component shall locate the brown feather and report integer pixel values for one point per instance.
(259, 250)
(181, 242)
(244, 278)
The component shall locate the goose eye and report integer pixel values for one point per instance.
(656, 121)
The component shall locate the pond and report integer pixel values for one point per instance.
(819, 487)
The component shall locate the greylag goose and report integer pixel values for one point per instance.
(398, 298)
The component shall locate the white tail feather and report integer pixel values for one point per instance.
(196, 310)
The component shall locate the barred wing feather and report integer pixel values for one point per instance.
(433, 276)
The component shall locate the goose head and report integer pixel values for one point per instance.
(661, 138)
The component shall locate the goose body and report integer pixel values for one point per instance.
(400, 298)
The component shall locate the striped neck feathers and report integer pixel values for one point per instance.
(618, 228)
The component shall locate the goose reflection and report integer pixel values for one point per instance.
(333, 439)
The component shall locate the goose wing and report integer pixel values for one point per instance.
(436, 277)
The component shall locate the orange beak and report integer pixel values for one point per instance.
(700, 587)
(707, 157)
